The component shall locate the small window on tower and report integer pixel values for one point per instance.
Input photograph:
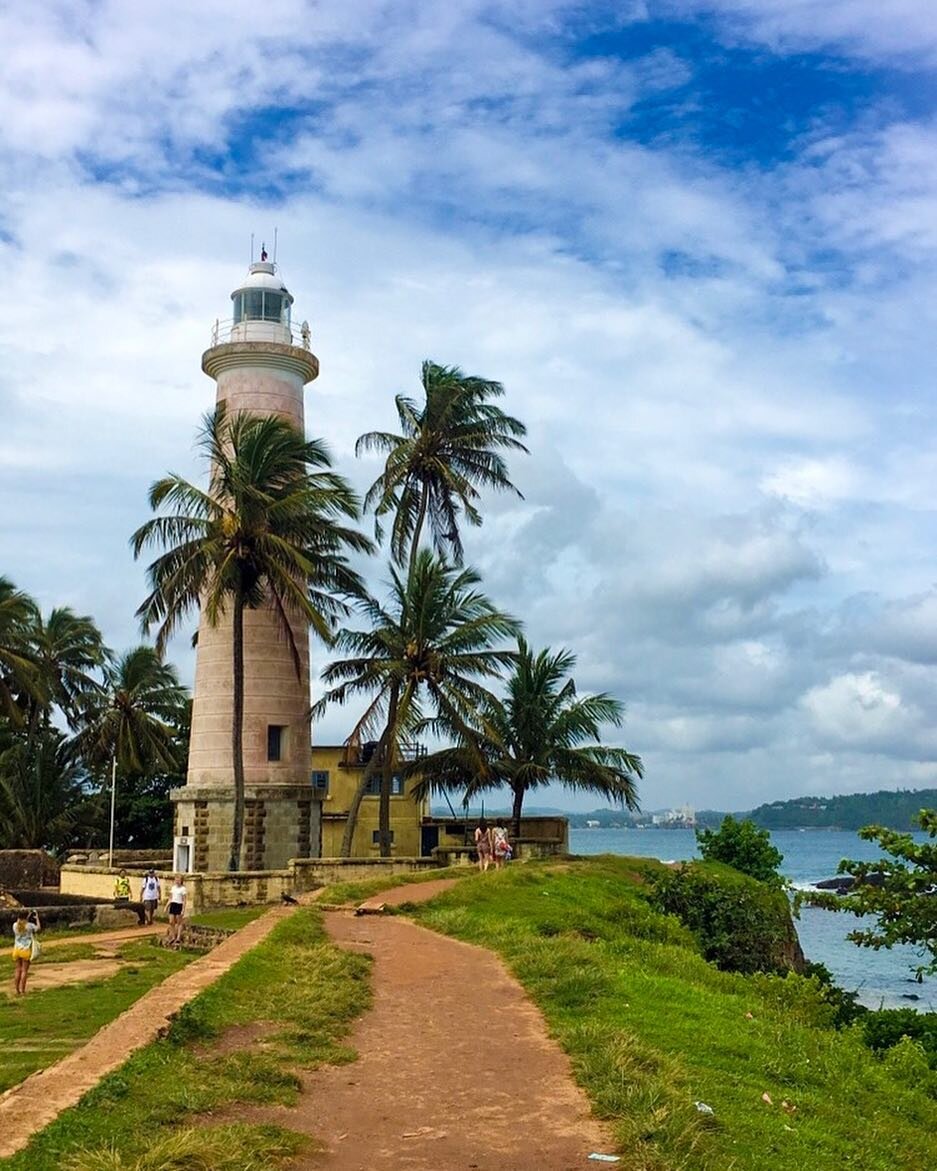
(275, 737)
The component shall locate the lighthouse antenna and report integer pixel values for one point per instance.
(252, 247)
(275, 231)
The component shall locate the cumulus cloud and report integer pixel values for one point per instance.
(724, 368)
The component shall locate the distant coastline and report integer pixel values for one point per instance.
(894, 808)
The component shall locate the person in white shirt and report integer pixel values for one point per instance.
(176, 909)
(150, 891)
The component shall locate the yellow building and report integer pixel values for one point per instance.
(336, 774)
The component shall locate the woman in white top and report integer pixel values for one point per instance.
(24, 948)
(176, 909)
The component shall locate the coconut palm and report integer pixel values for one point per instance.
(447, 450)
(536, 735)
(135, 715)
(432, 643)
(18, 673)
(67, 650)
(266, 532)
(44, 795)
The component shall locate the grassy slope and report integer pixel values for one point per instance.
(651, 1028)
(41, 1027)
(307, 988)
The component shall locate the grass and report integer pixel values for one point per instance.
(43, 1026)
(651, 1028)
(217, 1148)
(341, 893)
(297, 986)
(229, 918)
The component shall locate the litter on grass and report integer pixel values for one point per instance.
(597, 1158)
(703, 1108)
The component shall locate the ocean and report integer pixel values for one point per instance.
(882, 978)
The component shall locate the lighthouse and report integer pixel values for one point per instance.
(260, 363)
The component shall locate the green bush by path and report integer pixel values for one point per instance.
(296, 987)
(740, 923)
(652, 1028)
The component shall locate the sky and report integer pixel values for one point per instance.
(695, 240)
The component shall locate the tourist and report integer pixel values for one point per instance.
(483, 845)
(122, 888)
(501, 847)
(25, 948)
(176, 909)
(150, 892)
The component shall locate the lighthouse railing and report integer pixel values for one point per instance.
(229, 330)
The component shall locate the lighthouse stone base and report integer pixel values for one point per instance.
(280, 822)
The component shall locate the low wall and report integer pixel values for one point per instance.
(226, 889)
(312, 873)
(27, 869)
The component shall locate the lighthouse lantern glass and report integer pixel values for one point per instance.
(261, 305)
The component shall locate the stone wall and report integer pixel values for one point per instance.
(225, 889)
(280, 822)
(27, 869)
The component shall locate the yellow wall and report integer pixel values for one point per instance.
(405, 813)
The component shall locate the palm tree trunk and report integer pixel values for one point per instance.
(387, 775)
(418, 531)
(351, 823)
(237, 733)
(516, 814)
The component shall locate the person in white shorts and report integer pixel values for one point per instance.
(176, 909)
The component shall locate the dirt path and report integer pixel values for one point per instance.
(456, 1069)
(96, 937)
(35, 1102)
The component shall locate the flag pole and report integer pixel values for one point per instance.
(110, 848)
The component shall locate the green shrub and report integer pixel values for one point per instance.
(883, 1029)
(740, 925)
(845, 1005)
(743, 846)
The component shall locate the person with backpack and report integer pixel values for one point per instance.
(25, 948)
(150, 892)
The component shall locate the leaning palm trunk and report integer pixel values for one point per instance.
(237, 735)
(353, 810)
(387, 776)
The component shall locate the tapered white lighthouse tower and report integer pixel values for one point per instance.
(260, 363)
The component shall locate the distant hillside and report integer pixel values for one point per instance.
(894, 809)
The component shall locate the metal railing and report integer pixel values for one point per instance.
(229, 330)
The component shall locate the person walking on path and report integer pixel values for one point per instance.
(176, 909)
(501, 847)
(122, 888)
(25, 949)
(483, 845)
(150, 892)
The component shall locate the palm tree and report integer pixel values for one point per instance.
(43, 793)
(434, 640)
(447, 450)
(66, 649)
(132, 721)
(266, 532)
(18, 673)
(537, 734)
(134, 717)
